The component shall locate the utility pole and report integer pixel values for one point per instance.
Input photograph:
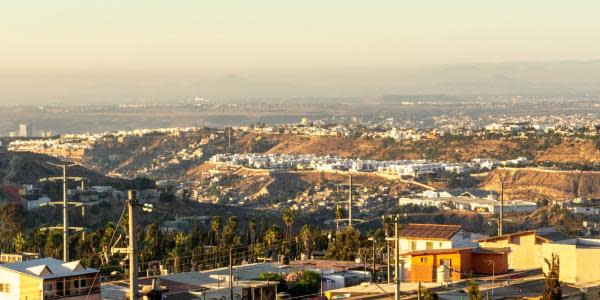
(65, 216)
(397, 262)
(501, 217)
(350, 203)
(374, 258)
(231, 273)
(322, 290)
(337, 220)
(132, 251)
(65, 204)
(387, 250)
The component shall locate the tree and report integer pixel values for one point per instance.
(11, 222)
(344, 245)
(426, 294)
(166, 197)
(252, 227)
(272, 235)
(229, 236)
(306, 237)
(552, 291)
(143, 183)
(215, 226)
(473, 289)
(19, 242)
(308, 283)
(288, 219)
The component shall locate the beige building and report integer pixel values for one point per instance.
(525, 252)
(48, 278)
(579, 259)
(416, 237)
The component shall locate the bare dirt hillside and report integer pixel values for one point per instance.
(257, 183)
(389, 150)
(534, 183)
(573, 151)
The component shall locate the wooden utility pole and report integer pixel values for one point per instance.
(132, 251)
(501, 216)
(373, 259)
(231, 273)
(397, 262)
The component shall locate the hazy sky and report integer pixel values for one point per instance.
(231, 36)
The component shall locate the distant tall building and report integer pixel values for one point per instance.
(25, 130)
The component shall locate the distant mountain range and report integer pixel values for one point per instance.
(511, 78)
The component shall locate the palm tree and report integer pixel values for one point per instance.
(272, 235)
(215, 226)
(288, 219)
(305, 235)
(19, 242)
(252, 228)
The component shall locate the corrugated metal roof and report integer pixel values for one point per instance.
(429, 231)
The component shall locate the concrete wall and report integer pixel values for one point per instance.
(524, 254)
(588, 264)
(577, 265)
(568, 263)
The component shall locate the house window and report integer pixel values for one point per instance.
(440, 245)
(4, 288)
(423, 260)
(413, 245)
(429, 246)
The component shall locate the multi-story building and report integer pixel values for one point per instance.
(25, 130)
(48, 278)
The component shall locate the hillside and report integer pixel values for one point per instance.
(534, 183)
(258, 183)
(573, 151)
(540, 149)
(25, 167)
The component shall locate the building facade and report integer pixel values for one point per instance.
(48, 278)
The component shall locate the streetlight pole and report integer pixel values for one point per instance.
(493, 274)
(373, 258)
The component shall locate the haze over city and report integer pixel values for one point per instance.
(139, 51)
(313, 150)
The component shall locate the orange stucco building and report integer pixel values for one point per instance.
(459, 263)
